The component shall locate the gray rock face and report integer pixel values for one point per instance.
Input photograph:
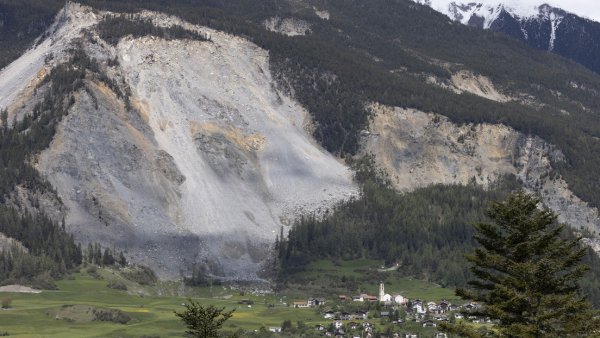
(418, 149)
(211, 160)
(207, 165)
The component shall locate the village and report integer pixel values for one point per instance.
(360, 316)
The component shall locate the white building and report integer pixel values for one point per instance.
(398, 299)
(384, 297)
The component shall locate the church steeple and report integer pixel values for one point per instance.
(381, 292)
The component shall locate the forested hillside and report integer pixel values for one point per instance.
(50, 251)
(425, 232)
(399, 34)
(21, 22)
(364, 44)
(376, 50)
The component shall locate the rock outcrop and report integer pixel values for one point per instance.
(417, 149)
(201, 163)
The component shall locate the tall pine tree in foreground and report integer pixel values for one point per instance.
(526, 276)
(204, 321)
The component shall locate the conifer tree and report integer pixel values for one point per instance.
(527, 275)
(203, 321)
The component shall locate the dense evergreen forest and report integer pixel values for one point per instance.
(113, 28)
(427, 232)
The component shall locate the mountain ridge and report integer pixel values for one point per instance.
(544, 27)
(167, 138)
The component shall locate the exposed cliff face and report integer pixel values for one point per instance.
(209, 159)
(468, 82)
(418, 149)
(7, 244)
(205, 166)
(291, 26)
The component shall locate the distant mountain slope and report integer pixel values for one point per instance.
(543, 27)
(183, 153)
(21, 22)
(180, 152)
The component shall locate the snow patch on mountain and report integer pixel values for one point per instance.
(555, 21)
(486, 9)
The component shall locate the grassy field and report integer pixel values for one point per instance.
(151, 308)
(330, 279)
(152, 315)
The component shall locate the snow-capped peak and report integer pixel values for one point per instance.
(486, 11)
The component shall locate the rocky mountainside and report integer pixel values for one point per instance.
(205, 165)
(194, 131)
(544, 27)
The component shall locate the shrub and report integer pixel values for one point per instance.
(117, 285)
(6, 301)
(141, 274)
(93, 272)
(111, 315)
(44, 281)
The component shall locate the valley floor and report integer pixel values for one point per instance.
(66, 312)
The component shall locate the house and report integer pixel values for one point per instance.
(369, 298)
(319, 327)
(440, 335)
(459, 316)
(301, 304)
(358, 298)
(429, 323)
(352, 325)
(398, 299)
(444, 306)
(410, 335)
(329, 315)
(316, 301)
(384, 314)
(432, 307)
(275, 329)
(361, 314)
(338, 324)
(344, 298)
(417, 306)
(472, 306)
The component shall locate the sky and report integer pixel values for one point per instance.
(585, 8)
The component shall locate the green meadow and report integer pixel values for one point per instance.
(66, 312)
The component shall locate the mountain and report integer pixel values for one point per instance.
(190, 135)
(544, 27)
(203, 160)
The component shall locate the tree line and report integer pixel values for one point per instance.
(115, 27)
(50, 251)
(426, 231)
